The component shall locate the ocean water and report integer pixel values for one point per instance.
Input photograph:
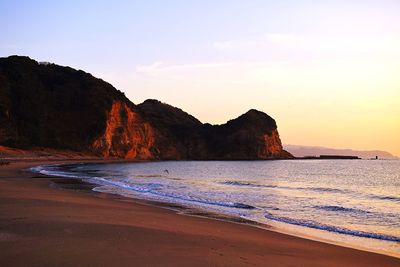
(351, 202)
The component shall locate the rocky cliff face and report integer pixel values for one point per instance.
(49, 106)
(126, 135)
(253, 135)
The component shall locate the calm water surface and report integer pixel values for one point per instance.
(353, 202)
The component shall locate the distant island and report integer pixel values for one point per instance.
(316, 151)
(329, 157)
(46, 106)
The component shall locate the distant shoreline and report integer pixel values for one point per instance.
(329, 157)
(306, 151)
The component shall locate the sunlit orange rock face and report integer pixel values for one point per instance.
(49, 106)
(271, 145)
(126, 135)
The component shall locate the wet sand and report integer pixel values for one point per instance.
(43, 223)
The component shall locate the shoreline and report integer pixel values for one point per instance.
(185, 210)
(279, 227)
(250, 232)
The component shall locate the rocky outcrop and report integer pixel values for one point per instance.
(49, 106)
(253, 135)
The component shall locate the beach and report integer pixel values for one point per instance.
(42, 224)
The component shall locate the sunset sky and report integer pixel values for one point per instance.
(327, 71)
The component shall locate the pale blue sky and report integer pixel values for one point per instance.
(326, 70)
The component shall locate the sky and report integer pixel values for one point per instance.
(327, 71)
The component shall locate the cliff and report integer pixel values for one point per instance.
(126, 135)
(50, 106)
(253, 135)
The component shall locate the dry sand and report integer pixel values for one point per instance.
(45, 226)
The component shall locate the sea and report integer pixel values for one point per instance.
(353, 203)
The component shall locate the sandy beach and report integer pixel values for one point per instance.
(44, 225)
